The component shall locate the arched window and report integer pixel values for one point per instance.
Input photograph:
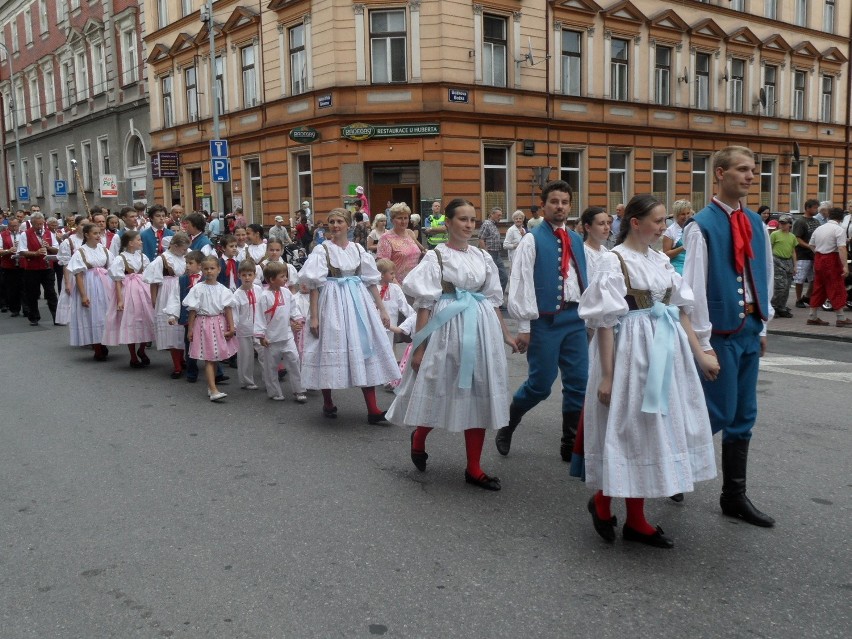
(136, 152)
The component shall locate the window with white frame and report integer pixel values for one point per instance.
(136, 155)
(797, 172)
(495, 165)
(298, 59)
(186, 7)
(86, 168)
(39, 176)
(103, 156)
(800, 79)
(35, 98)
(13, 181)
(662, 75)
(570, 170)
(571, 62)
(25, 172)
(737, 81)
(619, 62)
(54, 166)
(302, 164)
(800, 12)
(20, 103)
(700, 182)
(495, 44)
(617, 184)
(7, 112)
(702, 81)
(75, 4)
(168, 101)
(129, 59)
(828, 16)
(220, 84)
(255, 195)
(770, 78)
(162, 13)
(81, 75)
(15, 42)
(823, 181)
(190, 83)
(99, 72)
(660, 177)
(70, 159)
(3, 43)
(826, 98)
(770, 9)
(767, 182)
(61, 12)
(66, 72)
(249, 76)
(42, 17)
(49, 90)
(388, 38)
(28, 26)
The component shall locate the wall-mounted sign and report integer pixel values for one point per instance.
(304, 134)
(165, 164)
(360, 131)
(109, 186)
(458, 95)
(324, 101)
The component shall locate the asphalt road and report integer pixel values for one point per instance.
(133, 507)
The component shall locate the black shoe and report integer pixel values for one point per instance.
(222, 378)
(33, 322)
(734, 501)
(4, 310)
(282, 375)
(783, 313)
(419, 459)
(570, 423)
(801, 304)
(486, 482)
(144, 359)
(658, 539)
(740, 506)
(136, 364)
(331, 413)
(677, 498)
(605, 529)
(503, 440)
(378, 418)
(176, 374)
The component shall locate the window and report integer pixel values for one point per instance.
(799, 79)
(28, 26)
(39, 176)
(494, 47)
(828, 17)
(824, 181)
(3, 48)
(15, 42)
(191, 84)
(54, 166)
(136, 155)
(25, 172)
(220, 84)
(617, 179)
(738, 5)
(770, 9)
(75, 4)
(162, 13)
(662, 76)
(99, 72)
(767, 182)
(797, 171)
(103, 152)
(303, 172)
(700, 187)
(86, 169)
(826, 99)
(20, 104)
(299, 60)
(571, 58)
(35, 99)
(618, 89)
(67, 77)
(570, 172)
(660, 177)
(737, 81)
(129, 62)
(800, 14)
(249, 77)
(60, 10)
(770, 74)
(81, 75)
(49, 92)
(71, 157)
(387, 46)
(495, 178)
(42, 16)
(13, 183)
(186, 7)
(168, 105)
(702, 82)
(7, 115)
(254, 190)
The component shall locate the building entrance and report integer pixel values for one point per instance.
(399, 182)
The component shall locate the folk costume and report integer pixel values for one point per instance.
(87, 322)
(133, 326)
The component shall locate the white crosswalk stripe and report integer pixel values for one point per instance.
(804, 367)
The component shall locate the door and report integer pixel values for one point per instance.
(392, 184)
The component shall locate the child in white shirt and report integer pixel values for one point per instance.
(245, 304)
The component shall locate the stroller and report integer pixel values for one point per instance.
(296, 255)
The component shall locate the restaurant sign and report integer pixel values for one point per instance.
(360, 131)
(304, 134)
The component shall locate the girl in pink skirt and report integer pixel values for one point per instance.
(89, 300)
(130, 319)
(211, 323)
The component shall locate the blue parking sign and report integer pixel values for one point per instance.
(23, 194)
(220, 169)
(60, 188)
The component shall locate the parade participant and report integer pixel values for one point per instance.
(435, 226)
(548, 277)
(90, 297)
(229, 265)
(256, 247)
(245, 306)
(729, 315)
(194, 224)
(400, 245)
(162, 275)
(803, 228)
(595, 222)
(130, 314)
(211, 324)
(36, 244)
(66, 251)
(274, 324)
(514, 234)
(828, 243)
(646, 430)
(783, 244)
(242, 236)
(457, 374)
(392, 296)
(274, 253)
(10, 271)
(673, 236)
(346, 345)
(52, 224)
(302, 300)
(153, 236)
(380, 224)
(191, 277)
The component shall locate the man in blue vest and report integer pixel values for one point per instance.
(548, 277)
(152, 237)
(194, 224)
(730, 315)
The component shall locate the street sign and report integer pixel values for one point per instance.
(219, 149)
(109, 186)
(60, 188)
(23, 194)
(220, 169)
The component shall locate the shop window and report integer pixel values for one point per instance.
(797, 177)
(570, 171)
(660, 177)
(495, 178)
(824, 181)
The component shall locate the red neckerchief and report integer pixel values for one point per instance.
(251, 299)
(565, 266)
(383, 292)
(193, 279)
(230, 270)
(275, 305)
(741, 233)
(159, 234)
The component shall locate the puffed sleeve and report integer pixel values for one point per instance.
(423, 282)
(315, 270)
(492, 289)
(224, 296)
(521, 303)
(292, 275)
(295, 312)
(64, 254)
(682, 295)
(603, 303)
(401, 303)
(77, 265)
(192, 301)
(116, 270)
(154, 272)
(369, 273)
(171, 307)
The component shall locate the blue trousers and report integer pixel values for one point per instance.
(732, 398)
(558, 344)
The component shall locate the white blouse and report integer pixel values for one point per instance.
(593, 257)
(208, 299)
(136, 261)
(256, 252)
(315, 270)
(154, 272)
(473, 270)
(68, 248)
(94, 256)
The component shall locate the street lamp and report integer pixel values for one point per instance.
(14, 107)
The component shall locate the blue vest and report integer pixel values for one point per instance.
(725, 290)
(223, 276)
(199, 242)
(149, 242)
(183, 284)
(547, 276)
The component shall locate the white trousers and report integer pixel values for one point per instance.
(270, 357)
(245, 361)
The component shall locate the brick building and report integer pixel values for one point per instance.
(443, 98)
(79, 92)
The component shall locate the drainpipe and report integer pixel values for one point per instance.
(848, 115)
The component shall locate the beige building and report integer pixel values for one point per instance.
(437, 99)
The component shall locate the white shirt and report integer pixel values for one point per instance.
(208, 299)
(522, 304)
(67, 249)
(244, 312)
(674, 232)
(292, 273)
(695, 274)
(828, 238)
(514, 235)
(22, 239)
(137, 261)
(95, 257)
(241, 252)
(256, 252)
(154, 273)
(275, 326)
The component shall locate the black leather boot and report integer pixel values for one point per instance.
(734, 501)
(570, 421)
(504, 435)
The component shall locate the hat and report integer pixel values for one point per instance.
(785, 218)
(359, 190)
(773, 224)
(306, 203)
(278, 218)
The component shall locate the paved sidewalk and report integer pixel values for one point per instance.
(796, 326)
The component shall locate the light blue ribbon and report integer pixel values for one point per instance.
(656, 398)
(465, 302)
(353, 285)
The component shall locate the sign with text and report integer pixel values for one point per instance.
(165, 164)
(459, 96)
(324, 101)
(360, 131)
(220, 170)
(304, 134)
(109, 186)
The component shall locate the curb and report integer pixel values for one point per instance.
(824, 337)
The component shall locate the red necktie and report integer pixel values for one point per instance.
(562, 234)
(159, 241)
(384, 291)
(231, 270)
(193, 280)
(275, 305)
(741, 235)
(250, 296)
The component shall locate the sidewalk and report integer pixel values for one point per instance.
(796, 327)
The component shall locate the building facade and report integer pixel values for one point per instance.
(434, 99)
(78, 92)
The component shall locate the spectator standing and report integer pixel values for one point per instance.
(515, 233)
(279, 232)
(615, 229)
(673, 235)
(535, 220)
(435, 226)
(361, 229)
(803, 228)
(822, 212)
(783, 244)
(306, 209)
(830, 270)
(491, 241)
(399, 245)
(214, 229)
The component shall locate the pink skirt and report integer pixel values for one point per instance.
(135, 324)
(208, 340)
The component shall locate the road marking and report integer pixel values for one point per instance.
(782, 364)
(785, 360)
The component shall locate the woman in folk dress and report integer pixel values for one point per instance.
(89, 301)
(66, 251)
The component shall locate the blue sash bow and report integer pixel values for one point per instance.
(353, 285)
(465, 302)
(656, 397)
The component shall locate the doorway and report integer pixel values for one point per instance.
(196, 188)
(398, 182)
